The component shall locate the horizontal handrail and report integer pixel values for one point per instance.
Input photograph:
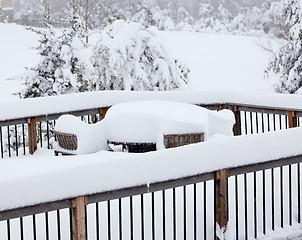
(49, 108)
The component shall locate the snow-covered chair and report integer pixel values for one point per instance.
(77, 137)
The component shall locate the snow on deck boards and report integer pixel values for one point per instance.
(36, 179)
(92, 100)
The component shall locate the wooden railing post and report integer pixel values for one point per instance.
(221, 200)
(78, 218)
(222, 106)
(102, 112)
(32, 134)
(237, 125)
(292, 119)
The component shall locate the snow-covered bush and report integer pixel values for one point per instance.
(129, 56)
(60, 69)
(287, 62)
(1, 14)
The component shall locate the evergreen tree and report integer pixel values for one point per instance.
(1, 14)
(60, 70)
(39, 80)
(132, 57)
(287, 62)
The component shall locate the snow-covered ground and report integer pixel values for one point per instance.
(217, 62)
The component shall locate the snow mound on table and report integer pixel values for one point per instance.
(91, 137)
(145, 122)
(149, 121)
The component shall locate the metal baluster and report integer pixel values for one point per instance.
(255, 205)
(21, 229)
(131, 217)
(264, 208)
(185, 211)
(251, 119)
(109, 220)
(142, 218)
(40, 132)
(245, 123)
(299, 193)
(273, 197)
(120, 218)
(34, 227)
(214, 191)
(59, 224)
(257, 123)
(1, 141)
(205, 210)
(16, 139)
(70, 224)
(86, 224)
(164, 214)
(8, 137)
(290, 194)
(262, 122)
(8, 229)
(281, 194)
(174, 215)
(245, 206)
(195, 210)
(47, 134)
(46, 226)
(97, 221)
(153, 215)
(268, 123)
(23, 138)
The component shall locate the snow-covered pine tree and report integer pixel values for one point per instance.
(222, 18)
(60, 70)
(39, 80)
(129, 56)
(206, 18)
(287, 62)
(71, 75)
(1, 14)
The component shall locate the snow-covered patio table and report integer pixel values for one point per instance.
(148, 125)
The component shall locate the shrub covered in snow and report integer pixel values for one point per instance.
(129, 56)
(287, 62)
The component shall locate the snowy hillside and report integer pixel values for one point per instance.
(216, 61)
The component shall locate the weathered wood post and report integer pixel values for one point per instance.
(221, 200)
(32, 134)
(102, 112)
(292, 119)
(237, 125)
(222, 106)
(78, 218)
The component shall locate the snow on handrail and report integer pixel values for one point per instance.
(55, 105)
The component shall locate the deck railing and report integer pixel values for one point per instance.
(23, 136)
(253, 199)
